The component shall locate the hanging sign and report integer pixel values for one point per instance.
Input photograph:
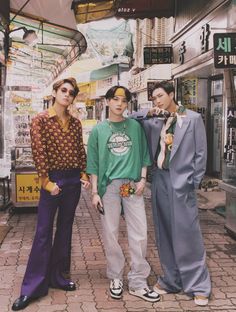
(224, 50)
(157, 55)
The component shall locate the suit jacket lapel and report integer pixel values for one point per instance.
(178, 136)
(155, 135)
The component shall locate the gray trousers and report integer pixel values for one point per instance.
(135, 216)
(179, 238)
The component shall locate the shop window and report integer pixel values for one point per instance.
(89, 112)
(105, 83)
(217, 87)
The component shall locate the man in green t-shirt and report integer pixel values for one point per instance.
(117, 159)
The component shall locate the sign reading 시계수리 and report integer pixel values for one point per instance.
(27, 187)
(225, 50)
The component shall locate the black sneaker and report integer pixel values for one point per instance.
(116, 288)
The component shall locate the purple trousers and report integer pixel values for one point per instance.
(50, 258)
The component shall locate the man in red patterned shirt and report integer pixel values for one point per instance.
(60, 160)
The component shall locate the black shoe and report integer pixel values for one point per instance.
(69, 287)
(21, 303)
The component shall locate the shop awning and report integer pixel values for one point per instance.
(108, 71)
(87, 10)
(57, 48)
(52, 11)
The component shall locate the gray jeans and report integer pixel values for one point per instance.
(135, 216)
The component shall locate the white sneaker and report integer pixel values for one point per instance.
(146, 294)
(116, 288)
(157, 288)
(201, 300)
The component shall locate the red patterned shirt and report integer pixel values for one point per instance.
(54, 146)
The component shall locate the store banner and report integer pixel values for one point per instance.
(145, 9)
(224, 50)
(88, 11)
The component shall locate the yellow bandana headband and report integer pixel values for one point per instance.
(120, 92)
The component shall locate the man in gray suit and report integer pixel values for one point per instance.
(177, 144)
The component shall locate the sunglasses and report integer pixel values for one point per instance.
(71, 92)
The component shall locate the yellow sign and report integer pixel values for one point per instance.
(27, 187)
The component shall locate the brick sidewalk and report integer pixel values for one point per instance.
(89, 267)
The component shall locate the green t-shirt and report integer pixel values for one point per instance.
(117, 150)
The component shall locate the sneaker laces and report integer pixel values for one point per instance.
(147, 290)
(117, 284)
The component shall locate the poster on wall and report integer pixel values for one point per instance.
(22, 115)
(22, 129)
(189, 92)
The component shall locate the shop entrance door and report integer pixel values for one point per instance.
(215, 129)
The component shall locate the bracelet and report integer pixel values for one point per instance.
(143, 178)
(94, 193)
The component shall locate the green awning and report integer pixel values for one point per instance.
(108, 71)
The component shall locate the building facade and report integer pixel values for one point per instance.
(201, 86)
(149, 33)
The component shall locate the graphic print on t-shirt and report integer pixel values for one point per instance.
(119, 144)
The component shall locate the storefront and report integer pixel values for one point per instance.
(29, 68)
(229, 162)
(204, 72)
(138, 83)
(200, 85)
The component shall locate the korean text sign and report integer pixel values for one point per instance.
(225, 50)
(27, 187)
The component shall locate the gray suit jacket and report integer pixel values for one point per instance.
(189, 150)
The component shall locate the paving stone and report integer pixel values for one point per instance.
(88, 267)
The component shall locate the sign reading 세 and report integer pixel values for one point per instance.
(225, 50)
